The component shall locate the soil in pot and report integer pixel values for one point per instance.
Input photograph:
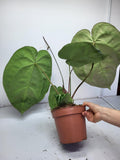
(70, 124)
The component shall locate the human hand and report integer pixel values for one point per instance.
(93, 114)
(96, 113)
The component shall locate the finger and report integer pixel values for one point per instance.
(89, 115)
(92, 106)
(89, 104)
(84, 113)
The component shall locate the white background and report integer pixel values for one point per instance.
(24, 22)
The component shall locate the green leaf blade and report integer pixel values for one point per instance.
(106, 38)
(61, 99)
(24, 83)
(82, 36)
(106, 34)
(79, 54)
(102, 75)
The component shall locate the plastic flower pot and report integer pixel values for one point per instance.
(70, 124)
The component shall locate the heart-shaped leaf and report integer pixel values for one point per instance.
(103, 72)
(79, 54)
(25, 77)
(106, 38)
(106, 34)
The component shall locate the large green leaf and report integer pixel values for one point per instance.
(107, 34)
(61, 99)
(79, 54)
(25, 79)
(82, 36)
(106, 38)
(101, 76)
(103, 72)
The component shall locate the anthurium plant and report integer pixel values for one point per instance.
(93, 56)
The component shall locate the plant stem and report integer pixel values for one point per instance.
(48, 48)
(69, 83)
(47, 78)
(83, 80)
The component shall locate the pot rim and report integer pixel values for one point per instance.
(68, 110)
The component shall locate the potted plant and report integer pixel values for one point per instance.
(93, 56)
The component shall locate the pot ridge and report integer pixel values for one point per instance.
(68, 110)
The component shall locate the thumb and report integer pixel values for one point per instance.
(91, 106)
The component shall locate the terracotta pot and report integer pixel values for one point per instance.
(70, 124)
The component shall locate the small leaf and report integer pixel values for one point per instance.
(63, 99)
(52, 97)
(24, 80)
(57, 100)
(79, 54)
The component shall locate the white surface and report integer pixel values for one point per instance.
(115, 12)
(114, 86)
(114, 101)
(24, 22)
(33, 137)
